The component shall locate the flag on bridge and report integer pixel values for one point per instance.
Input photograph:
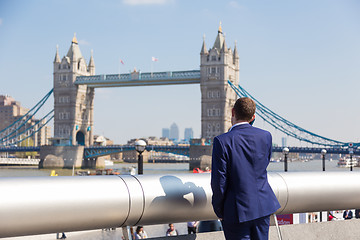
(121, 61)
(154, 59)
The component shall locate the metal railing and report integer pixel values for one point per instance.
(39, 205)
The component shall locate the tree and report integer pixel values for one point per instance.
(29, 142)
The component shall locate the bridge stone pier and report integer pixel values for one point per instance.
(200, 154)
(61, 156)
(67, 157)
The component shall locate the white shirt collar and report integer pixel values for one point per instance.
(237, 124)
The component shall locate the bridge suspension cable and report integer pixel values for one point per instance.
(28, 132)
(286, 126)
(16, 133)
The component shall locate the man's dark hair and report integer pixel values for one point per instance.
(244, 109)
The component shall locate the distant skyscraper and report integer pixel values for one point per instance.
(188, 134)
(174, 132)
(166, 133)
(284, 141)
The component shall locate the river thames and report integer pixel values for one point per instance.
(173, 168)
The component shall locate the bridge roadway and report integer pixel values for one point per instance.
(95, 151)
(136, 79)
(317, 150)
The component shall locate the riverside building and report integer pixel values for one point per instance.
(11, 110)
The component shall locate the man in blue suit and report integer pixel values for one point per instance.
(242, 197)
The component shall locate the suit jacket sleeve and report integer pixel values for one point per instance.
(218, 177)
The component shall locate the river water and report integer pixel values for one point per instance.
(166, 168)
(149, 168)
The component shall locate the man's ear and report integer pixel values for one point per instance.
(233, 112)
(253, 118)
(251, 122)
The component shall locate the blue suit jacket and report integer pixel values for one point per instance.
(241, 191)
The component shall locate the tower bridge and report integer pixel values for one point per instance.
(74, 84)
(74, 91)
(75, 81)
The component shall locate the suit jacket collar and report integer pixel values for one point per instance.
(240, 126)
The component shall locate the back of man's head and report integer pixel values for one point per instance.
(244, 109)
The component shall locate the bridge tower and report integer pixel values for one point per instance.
(73, 105)
(217, 65)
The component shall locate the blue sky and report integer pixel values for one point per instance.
(299, 58)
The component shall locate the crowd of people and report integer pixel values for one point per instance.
(140, 233)
(348, 214)
(171, 231)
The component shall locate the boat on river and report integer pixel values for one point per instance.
(347, 162)
(108, 171)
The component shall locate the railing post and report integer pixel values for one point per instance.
(286, 152)
(323, 153)
(127, 233)
(351, 152)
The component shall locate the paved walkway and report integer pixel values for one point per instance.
(152, 231)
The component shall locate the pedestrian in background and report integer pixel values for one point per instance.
(347, 214)
(140, 233)
(192, 227)
(357, 213)
(171, 231)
